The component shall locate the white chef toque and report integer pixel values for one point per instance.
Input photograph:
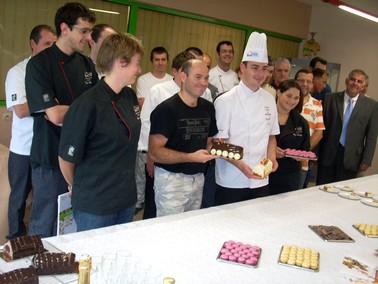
(256, 49)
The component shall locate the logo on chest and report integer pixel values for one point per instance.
(88, 78)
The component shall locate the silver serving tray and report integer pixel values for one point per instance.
(347, 238)
(237, 263)
(363, 233)
(295, 266)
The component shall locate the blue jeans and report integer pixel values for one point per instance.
(19, 174)
(87, 221)
(47, 185)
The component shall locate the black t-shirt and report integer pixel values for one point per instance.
(100, 135)
(187, 129)
(53, 78)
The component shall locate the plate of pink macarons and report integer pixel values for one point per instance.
(238, 253)
(300, 154)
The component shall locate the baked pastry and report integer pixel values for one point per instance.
(227, 150)
(22, 246)
(264, 168)
(55, 263)
(20, 276)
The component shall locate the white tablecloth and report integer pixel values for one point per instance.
(185, 246)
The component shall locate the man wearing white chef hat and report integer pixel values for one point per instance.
(247, 116)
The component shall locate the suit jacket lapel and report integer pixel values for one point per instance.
(340, 104)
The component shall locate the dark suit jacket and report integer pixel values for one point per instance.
(361, 135)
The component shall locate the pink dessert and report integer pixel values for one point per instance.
(241, 259)
(224, 256)
(251, 261)
(232, 258)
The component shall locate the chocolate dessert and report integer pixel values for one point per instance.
(54, 263)
(20, 276)
(22, 246)
(227, 150)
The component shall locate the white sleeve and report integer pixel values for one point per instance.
(141, 87)
(145, 120)
(15, 87)
(222, 115)
(207, 95)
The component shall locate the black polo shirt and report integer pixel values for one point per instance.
(100, 136)
(53, 78)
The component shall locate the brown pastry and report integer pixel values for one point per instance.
(20, 276)
(227, 150)
(22, 246)
(54, 263)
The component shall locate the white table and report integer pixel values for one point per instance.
(185, 246)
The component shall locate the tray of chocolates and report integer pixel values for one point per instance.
(300, 154)
(297, 257)
(331, 234)
(241, 254)
(368, 230)
(227, 150)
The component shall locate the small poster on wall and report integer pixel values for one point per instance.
(66, 222)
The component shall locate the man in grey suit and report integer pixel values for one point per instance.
(350, 137)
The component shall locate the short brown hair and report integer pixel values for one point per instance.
(117, 46)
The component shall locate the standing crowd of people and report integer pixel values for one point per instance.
(79, 127)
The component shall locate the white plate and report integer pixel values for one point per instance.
(349, 195)
(343, 187)
(369, 202)
(364, 194)
(329, 189)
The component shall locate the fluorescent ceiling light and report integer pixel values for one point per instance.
(104, 11)
(358, 13)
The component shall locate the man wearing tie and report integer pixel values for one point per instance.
(350, 137)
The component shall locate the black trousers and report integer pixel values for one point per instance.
(336, 171)
(149, 198)
(226, 195)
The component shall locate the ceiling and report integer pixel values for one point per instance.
(370, 6)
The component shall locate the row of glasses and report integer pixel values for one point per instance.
(123, 268)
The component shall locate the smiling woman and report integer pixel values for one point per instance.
(99, 139)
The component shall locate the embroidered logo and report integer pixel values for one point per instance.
(88, 78)
(137, 111)
(46, 98)
(14, 97)
(298, 131)
(268, 115)
(71, 151)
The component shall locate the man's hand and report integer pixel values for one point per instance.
(363, 167)
(150, 166)
(200, 156)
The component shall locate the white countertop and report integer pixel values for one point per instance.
(185, 246)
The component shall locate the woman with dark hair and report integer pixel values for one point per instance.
(294, 134)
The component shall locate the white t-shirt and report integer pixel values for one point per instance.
(224, 81)
(247, 119)
(156, 95)
(22, 128)
(147, 81)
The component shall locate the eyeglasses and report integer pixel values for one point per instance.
(83, 31)
(308, 82)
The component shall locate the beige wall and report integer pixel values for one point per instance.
(287, 17)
